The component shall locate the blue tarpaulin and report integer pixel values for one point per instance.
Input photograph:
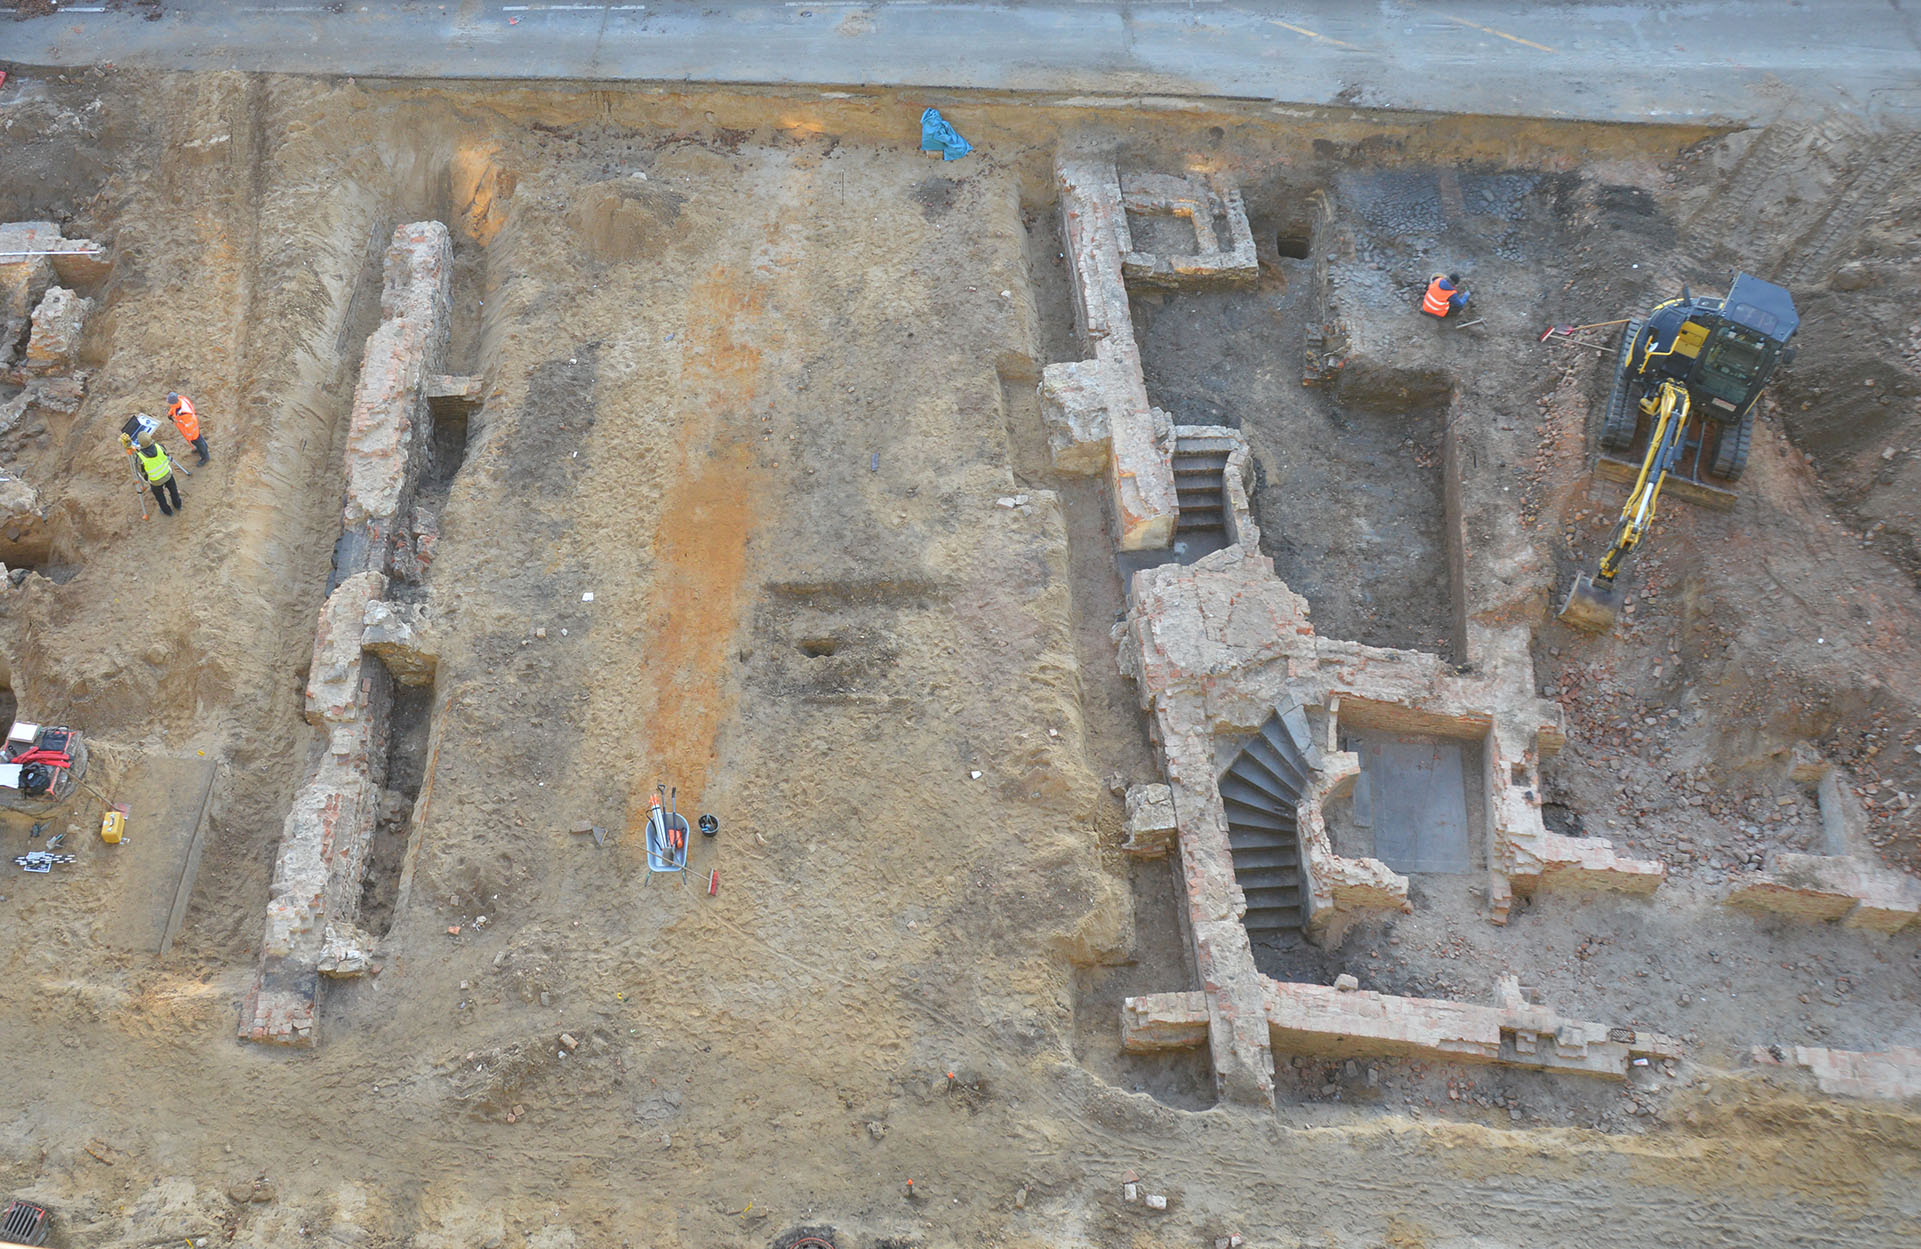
(937, 136)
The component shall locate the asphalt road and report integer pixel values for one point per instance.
(1657, 60)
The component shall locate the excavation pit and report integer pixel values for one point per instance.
(757, 498)
(1350, 491)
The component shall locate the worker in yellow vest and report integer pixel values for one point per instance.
(187, 421)
(151, 465)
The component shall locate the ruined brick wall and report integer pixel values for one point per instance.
(314, 900)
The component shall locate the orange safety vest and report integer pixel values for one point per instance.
(1434, 303)
(184, 419)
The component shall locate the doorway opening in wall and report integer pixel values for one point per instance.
(1294, 244)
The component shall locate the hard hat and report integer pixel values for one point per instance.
(146, 440)
(173, 396)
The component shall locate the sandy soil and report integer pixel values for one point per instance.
(758, 379)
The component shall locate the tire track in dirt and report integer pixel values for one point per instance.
(1852, 203)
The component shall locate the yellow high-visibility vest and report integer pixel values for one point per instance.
(154, 463)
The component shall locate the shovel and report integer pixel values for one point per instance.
(1569, 331)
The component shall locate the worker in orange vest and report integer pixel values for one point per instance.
(1444, 295)
(187, 421)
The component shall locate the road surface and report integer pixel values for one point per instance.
(1706, 60)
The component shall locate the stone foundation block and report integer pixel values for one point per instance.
(59, 395)
(19, 507)
(1140, 437)
(328, 835)
(1817, 888)
(397, 633)
(1341, 1020)
(1163, 1021)
(279, 1010)
(454, 395)
(346, 950)
(58, 321)
(1223, 251)
(1592, 863)
(1893, 1074)
(335, 693)
(1074, 413)
(22, 284)
(1328, 1020)
(1150, 821)
(75, 262)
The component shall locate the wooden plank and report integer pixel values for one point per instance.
(1699, 493)
(436, 731)
(190, 865)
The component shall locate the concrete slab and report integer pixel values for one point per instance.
(1412, 793)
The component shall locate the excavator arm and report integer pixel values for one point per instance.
(1593, 602)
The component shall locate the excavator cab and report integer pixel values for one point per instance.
(1681, 411)
(1724, 351)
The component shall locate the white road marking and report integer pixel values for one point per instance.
(1302, 30)
(1489, 30)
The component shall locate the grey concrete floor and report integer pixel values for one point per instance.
(1736, 61)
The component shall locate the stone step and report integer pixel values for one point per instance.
(1265, 897)
(1270, 775)
(1281, 762)
(1256, 790)
(1258, 794)
(1277, 857)
(1272, 919)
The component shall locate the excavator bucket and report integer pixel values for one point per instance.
(1590, 606)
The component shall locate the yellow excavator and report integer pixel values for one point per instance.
(1686, 381)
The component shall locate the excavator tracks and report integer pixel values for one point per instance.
(1617, 425)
